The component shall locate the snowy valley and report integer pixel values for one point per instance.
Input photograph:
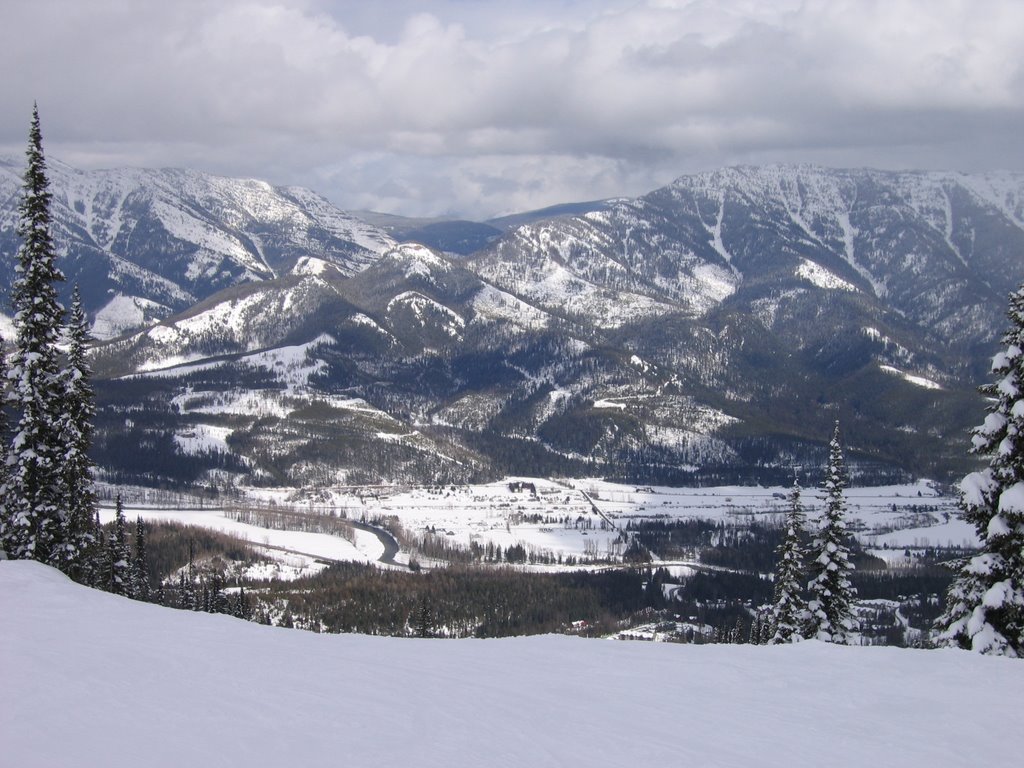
(650, 541)
(588, 425)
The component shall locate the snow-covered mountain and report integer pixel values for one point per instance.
(940, 249)
(711, 330)
(75, 660)
(146, 244)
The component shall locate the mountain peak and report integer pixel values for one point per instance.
(418, 260)
(165, 239)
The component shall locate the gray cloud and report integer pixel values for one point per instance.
(476, 108)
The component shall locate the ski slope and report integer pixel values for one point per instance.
(92, 679)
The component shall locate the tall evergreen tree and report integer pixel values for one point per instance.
(35, 517)
(140, 568)
(754, 637)
(118, 554)
(76, 428)
(423, 621)
(985, 603)
(789, 610)
(96, 559)
(240, 606)
(830, 608)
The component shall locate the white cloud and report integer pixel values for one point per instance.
(481, 107)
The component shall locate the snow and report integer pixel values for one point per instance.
(561, 271)
(994, 424)
(214, 243)
(849, 251)
(919, 381)
(223, 220)
(188, 688)
(367, 548)
(494, 305)
(7, 330)
(419, 261)
(291, 364)
(713, 284)
(124, 313)
(766, 310)
(259, 403)
(716, 233)
(821, 277)
(313, 267)
(977, 486)
(952, 533)
(1008, 386)
(203, 438)
(339, 223)
(584, 518)
(425, 310)
(1011, 500)
(292, 367)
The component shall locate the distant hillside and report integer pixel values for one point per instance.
(511, 221)
(456, 236)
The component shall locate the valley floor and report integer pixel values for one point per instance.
(92, 679)
(579, 519)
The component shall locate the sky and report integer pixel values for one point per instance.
(481, 108)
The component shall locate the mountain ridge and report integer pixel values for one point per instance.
(144, 244)
(712, 329)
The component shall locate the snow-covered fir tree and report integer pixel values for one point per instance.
(76, 428)
(119, 569)
(985, 603)
(34, 511)
(789, 609)
(830, 607)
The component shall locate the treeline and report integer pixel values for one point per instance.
(172, 545)
(198, 569)
(173, 565)
(748, 547)
(708, 606)
(137, 456)
(460, 601)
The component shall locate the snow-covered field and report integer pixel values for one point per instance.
(296, 551)
(92, 679)
(583, 518)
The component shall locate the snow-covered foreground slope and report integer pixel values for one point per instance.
(90, 679)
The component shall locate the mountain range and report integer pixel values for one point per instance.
(712, 330)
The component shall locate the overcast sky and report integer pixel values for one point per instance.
(478, 108)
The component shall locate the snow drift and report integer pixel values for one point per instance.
(91, 679)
